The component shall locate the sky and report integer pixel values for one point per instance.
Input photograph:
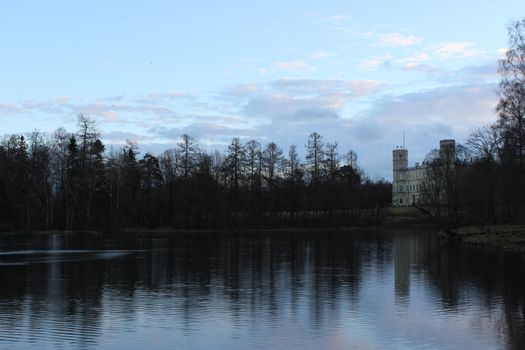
(358, 73)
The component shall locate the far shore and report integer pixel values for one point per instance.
(170, 231)
(390, 218)
(509, 236)
(173, 232)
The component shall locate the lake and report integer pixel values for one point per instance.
(383, 289)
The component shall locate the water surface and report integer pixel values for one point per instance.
(367, 290)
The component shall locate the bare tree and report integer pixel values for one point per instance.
(315, 156)
(253, 164)
(272, 157)
(351, 159)
(332, 159)
(485, 143)
(511, 106)
(188, 154)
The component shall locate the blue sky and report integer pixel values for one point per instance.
(356, 72)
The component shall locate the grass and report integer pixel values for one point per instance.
(510, 236)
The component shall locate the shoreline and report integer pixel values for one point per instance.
(239, 231)
(392, 219)
(169, 231)
(510, 237)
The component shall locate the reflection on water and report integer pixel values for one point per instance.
(328, 290)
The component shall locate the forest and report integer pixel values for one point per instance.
(70, 181)
(487, 183)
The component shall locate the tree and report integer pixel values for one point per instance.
(272, 158)
(188, 158)
(293, 180)
(511, 110)
(315, 156)
(40, 187)
(73, 176)
(293, 165)
(188, 154)
(233, 168)
(130, 178)
(485, 143)
(87, 135)
(351, 159)
(253, 164)
(332, 160)
(70, 182)
(150, 182)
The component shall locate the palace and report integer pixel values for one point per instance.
(410, 183)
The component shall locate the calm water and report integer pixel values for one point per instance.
(372, 290)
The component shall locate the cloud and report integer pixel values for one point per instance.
(111, 116)
(120, 137)
(336, 18)
(287, 110)
(113, 99)
(99, 108)
(457, 50)
(459, 107)
(350, 88)
(300, 99)
(294, 66)
(206, 133)
(317, 55)
(50, 106)
(413, 61)
(297, 107)
(282, 106)
(60, 100)
(502, 52)
(154, 97)
(375, 62)
(396, 39)
(241, 90)
(481, 73)
(418, 63)
(10, 108)
(427, 117)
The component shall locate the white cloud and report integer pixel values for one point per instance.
(10, 108)
(477, 74)
(111, 116)
(293, 66)
(325, 85)
(502, 52)
(457, 50)
(396, 39)
(241, 90)
(413, 61)
(120, 137)
(427, 117)
(316, 55)
(375, 62)
(156, 97)
(337, 18)
(60, 100)
(306, 100)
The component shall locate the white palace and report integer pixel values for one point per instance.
(409, 183)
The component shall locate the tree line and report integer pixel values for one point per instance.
(70, 181)
(487, 182)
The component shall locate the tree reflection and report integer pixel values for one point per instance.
(269, 279)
